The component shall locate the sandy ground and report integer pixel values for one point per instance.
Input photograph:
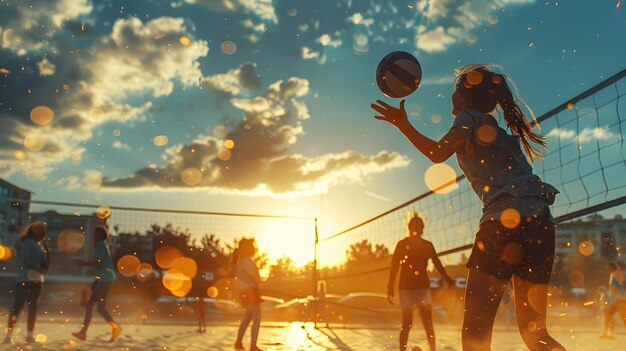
(282, 337)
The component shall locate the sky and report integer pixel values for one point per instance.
(263, 106)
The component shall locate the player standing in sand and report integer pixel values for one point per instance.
(104, 278)
(516, 238)
(411, 257)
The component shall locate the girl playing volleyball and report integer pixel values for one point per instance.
(515, 239)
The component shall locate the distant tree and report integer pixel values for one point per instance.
(363, 251)
(283, 267)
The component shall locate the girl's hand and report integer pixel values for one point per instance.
(395, 116)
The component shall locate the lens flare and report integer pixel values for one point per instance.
(224, 154)
(103, 212)
(212, 292)
(41, 115)
(160, 140)
(510, 218)
(513, 253)
(127, 265)
(184, 40)
(70, 240)
(186, 266)
(486, 134)
(229, 47)
(184, 289)
(144, 271)
(586, 248)
(440, 178)
(474, 77)
(173, 279)
(34, 142)
(191, 176)
(93, 179)
(165, 256)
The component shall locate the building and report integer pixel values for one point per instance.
(14, 206)
(141, 246)
(593, 235)
(69, 239)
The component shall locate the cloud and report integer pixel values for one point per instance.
(46, 68)
(586, 135)
(309, 54)
(453, 21)
(435, 40)
(263, 9)
(30, 26)
(244, 77)
(255, 158)
(109, 81)
(327, 40)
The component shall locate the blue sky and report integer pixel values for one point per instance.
(293, 97)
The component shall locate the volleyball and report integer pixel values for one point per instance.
(398, 74)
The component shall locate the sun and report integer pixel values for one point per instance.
(293, 238)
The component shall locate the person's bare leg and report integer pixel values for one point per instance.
(482, 298)
(426, 313)
(531, 303)
(407, 323)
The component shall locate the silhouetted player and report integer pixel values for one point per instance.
(247, 286)
(201, 315)
(411, 257)
(516, 234)
(105, 276)
(34, 263)
(616, 299)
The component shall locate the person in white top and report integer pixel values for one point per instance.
(247, 287)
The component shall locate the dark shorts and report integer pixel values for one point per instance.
(526, 251)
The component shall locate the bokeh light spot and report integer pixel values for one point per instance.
(41, 115)
(212, 292)
(486, 134)
(537, 298)
(186, 266)
(474, 77)
(586, 248)
(127, 265)
(19, 155)
(220, 131)
(191, 176)
(577, 279)
(144, 271)
(34, 142)
(165, 256)
(229, 144)
(184, 40)
(93, 179)
(70, 240)
(160, 140)
(513, 253)
(173, 279)
(440, 178)
(229, 47)
(510, 218)
(224, 154)
(103, 212)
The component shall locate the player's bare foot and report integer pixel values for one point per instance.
(116, 330)
(80, 335)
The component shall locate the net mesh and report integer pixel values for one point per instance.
(585, 161)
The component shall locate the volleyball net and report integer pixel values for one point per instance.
(585, 161)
